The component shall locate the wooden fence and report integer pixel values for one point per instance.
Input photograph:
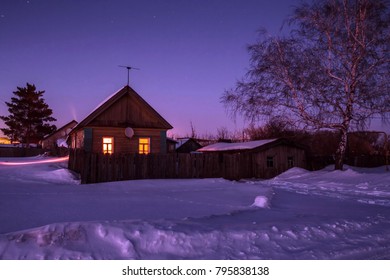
(95, 168)
(20, 152)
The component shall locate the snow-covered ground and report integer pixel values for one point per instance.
(46, 214)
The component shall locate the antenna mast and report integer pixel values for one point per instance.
(128, 71)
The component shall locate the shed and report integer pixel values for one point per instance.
(171, 145)
(123, 123)
(58, 138)
(269, 157)
(187, 145)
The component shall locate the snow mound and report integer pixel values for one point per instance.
(348, 172)
(292, 173)
(59, 176)
(261, 202)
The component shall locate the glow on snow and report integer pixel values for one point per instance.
(61, 159)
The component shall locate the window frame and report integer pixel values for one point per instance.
(270, 162)
(143, 151)
(290, 162)
(106, 145)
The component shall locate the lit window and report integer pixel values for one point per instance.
(108, 145)
(270, 161)
(144, 145)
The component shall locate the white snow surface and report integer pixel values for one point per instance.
(46, 214)
(61, 142)
(235, 146)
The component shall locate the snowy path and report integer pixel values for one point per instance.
(46, 214)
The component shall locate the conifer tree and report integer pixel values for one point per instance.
(29, 116)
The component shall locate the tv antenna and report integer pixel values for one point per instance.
(128, 71)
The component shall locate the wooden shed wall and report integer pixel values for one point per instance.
(77, 139)
(280, 155)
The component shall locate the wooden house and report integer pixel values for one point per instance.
(58, 138)
(4, 140)
(123, 123)
(269, 157)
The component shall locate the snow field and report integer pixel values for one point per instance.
(46, 214)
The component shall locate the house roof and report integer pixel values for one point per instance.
(61, 128)
(247, 146)
(110, 100)
(219, 147)
(187, 145)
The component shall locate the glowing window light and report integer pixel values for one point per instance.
(144, 145)
(108, 145)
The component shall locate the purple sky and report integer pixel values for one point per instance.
(189, 52)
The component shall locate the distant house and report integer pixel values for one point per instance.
(58, 138)
(187, 145)
(5, 140)
(270, 157)
(123, 123)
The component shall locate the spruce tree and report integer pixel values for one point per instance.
(29, 116)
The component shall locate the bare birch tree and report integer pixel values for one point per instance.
(331, 72)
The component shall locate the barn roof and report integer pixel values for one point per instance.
(219, 147)
(245, 146)
(110, 100)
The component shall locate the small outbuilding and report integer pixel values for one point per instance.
(123, 123)
(268, 157)
(58, 138)
(187, 145)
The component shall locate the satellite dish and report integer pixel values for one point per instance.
(129, 132)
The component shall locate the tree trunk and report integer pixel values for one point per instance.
(341, 149)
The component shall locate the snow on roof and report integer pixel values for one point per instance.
(105, 100)
(235, 146)
(97, 107)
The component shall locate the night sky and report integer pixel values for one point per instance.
(189, 52)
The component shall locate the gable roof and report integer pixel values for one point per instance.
(116, 96)
(70, 125)
(186, 145)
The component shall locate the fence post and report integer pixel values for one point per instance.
(86, 168)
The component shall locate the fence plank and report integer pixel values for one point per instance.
(95, 168)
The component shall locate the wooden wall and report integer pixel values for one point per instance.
(122, 144)
(128, 111)
(280, 156)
